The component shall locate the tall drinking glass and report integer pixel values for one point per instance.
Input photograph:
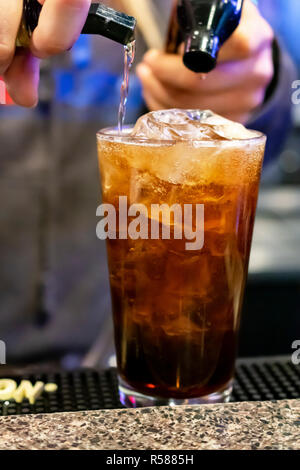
(177, 301)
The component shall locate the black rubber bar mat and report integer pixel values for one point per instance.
(86, 389)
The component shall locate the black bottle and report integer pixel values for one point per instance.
(101, 20)
(203, 26)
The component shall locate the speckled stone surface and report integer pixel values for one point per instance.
(256, 425)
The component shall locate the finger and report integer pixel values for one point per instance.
(256, 71)
(240, 101)
(251, 36)
(242, 118)
(152, 103)
(169, 68)
(10, 14)
(60, 24)
(24, 92)
(167, 96)
(152, 86)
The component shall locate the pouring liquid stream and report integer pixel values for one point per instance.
(129, 51)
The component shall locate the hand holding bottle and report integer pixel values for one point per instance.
(60, 24)
(235, 89)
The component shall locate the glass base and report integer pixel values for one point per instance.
(133, 399)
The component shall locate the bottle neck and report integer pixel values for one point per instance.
(203, 26)
(31, 10)
(31, 13)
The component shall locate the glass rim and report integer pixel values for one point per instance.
(111, 134)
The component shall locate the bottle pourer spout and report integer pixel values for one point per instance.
(110, 23)
(101, 20)
(201, 51)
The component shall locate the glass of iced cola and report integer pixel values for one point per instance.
(179, 192)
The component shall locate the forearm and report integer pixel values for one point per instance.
(274, 117)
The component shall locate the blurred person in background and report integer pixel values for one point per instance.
(286, 168)
(54, 295)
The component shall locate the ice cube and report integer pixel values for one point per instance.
(179, 124)
(226, 128)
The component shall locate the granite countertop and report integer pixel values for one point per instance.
(247, 425)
